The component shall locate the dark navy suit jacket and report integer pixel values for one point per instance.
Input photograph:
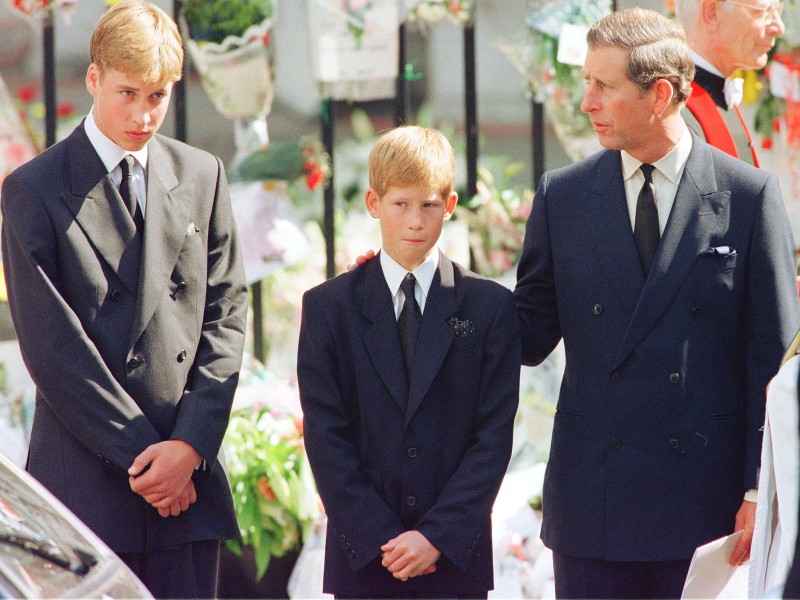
(388, 457)
(657, 430)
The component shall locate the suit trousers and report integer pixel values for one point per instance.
(183, 571)
(577, 577)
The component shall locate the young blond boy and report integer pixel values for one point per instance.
(128, 296)
(409, 434)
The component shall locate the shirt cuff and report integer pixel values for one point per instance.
(751, 495)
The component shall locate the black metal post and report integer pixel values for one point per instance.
(470, 109)
(256, 291)
(179, 89)
(537, 140)
(402, 84)
(49, 54)
(328, 110)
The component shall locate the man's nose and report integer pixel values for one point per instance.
(775, 26)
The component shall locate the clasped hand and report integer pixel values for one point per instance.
(408, 555)
(162, 475)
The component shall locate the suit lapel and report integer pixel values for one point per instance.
(699, 211)
(382, 338)
(100, 211)
(166, 218)
(614, 243)
(435, 335)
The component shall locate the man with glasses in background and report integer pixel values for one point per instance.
(726, 35)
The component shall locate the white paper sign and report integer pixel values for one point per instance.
(354, 41)
(572, 45)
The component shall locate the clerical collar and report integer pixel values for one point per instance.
(713, 84)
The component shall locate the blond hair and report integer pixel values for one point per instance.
(412, 156)
(657, 48)
(138, 39)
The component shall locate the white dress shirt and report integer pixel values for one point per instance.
(111, 154)
(394, 274)
(666, 177)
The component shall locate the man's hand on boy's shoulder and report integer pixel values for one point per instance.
(362, 258)
(410, 554)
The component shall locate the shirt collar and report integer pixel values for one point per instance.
(394, 273)
(670, 165)
(110, 153)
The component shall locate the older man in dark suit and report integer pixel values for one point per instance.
(128, 296)
(668, 268)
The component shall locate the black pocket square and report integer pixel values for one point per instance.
(461, 328)
(719, 251)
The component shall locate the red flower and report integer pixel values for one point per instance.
(314, 178)
(65, 109)
(766, 143)
(776, 124)
(455, 6)
(264, 488)
(267, 38)
(27, 93)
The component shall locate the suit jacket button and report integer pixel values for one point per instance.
(674, 378)
(182, 356)
(181, 287)
(342, 538)
(352, 553)
(616, 376)
(411, 500)
(597, 309)
(696, 312)
(411, 453)
(115, 296)
(616, 443)
(674, 443)
(134, 362)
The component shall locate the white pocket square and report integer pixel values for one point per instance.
(719, 251)
(192, 229)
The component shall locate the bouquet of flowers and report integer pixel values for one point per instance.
(287, 161)
(496, 218)
(426, 12)
(273, 489)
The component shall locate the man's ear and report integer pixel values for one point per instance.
(709, 11)
(372, 202)
(450, 205)
(664, 96)
(92, 78)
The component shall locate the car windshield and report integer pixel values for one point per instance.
(40, 549)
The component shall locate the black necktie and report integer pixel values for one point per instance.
(408, 322)
(128, 192)
(645, 230)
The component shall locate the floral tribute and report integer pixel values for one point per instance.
(426, 12)
(496, 218)
(558, 85)
(273, 490)
(287, 161)
(32, 114)
(42, 9)
(784, 104)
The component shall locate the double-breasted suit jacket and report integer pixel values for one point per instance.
(389, 456)
(129, 343)
(657, 432)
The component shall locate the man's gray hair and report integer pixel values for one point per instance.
(657, 48)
